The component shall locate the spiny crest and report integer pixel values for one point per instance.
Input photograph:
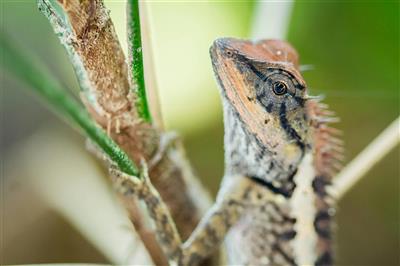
(328, 147)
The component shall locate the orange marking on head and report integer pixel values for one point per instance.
(247, 72)
(249, 111)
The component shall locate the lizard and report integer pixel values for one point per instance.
(272, 207)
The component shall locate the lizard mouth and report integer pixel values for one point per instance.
(217, 62)
(216, 49)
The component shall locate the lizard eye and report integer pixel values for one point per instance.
(229, 53)
(279, 88)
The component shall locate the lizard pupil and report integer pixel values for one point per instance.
(279, 88)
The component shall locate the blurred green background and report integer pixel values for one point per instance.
(353, 46)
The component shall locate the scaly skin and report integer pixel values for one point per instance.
(275, 134)
(272, 207)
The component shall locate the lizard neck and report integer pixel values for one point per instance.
(246, 156)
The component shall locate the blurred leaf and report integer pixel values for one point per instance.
(136, 59)
(22, 66)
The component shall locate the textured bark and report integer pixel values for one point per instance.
(90, 40)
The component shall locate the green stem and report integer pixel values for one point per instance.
(49, 89)
(136, 58)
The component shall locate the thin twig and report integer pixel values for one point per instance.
(367, 159)
(271, 19)
(22, 66)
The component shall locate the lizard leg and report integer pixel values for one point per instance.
(209, 233)
(142, 188)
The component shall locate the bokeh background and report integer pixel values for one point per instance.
(353, 46)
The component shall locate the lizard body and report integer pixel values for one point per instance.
(275, 135)
(272, 207)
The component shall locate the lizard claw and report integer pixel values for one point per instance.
(144, 173)
(131, 185)
(124, 183)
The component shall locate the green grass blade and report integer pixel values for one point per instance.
(49, 89)
(136, 59)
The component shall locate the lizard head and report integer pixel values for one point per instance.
(261, 83)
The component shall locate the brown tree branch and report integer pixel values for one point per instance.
(88, 35)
